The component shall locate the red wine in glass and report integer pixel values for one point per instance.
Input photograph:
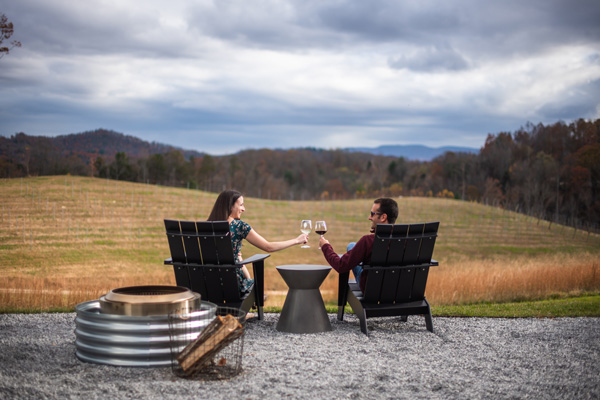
(321, 228)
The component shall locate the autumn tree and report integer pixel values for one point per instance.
(178, 171)
(6, 31)
(396, 171)
(100, 168)
(120, 168)
(205, 173)
(588, 157)
(157, 168)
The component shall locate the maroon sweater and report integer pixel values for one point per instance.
(361, 252)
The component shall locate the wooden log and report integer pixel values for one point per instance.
(218, 334)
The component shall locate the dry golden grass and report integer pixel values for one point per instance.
(513, 279)
(65, 240)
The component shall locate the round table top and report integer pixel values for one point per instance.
(303, 267)
(303, 276)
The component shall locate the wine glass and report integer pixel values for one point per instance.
(320, 228)
(306, 227)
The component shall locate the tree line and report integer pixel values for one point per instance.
(551, 172)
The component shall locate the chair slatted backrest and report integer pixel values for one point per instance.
(223, 243)
(391, 276)
(198, 280)
(175, 241)
(405, 290)
(397, 244)
(413, 244)
(190, 242)
(395, 249)
(203, 251)
(211, 276)
(230, 285)
(429, 236)
(222, 283)
(403, 277)
(378, 258)
(207, 242)
(381, 245)
(426, 251)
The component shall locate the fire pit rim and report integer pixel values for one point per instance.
(161, 294)
(149, 300)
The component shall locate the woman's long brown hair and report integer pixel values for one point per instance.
(223, 205)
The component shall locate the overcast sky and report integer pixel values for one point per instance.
(222, 75)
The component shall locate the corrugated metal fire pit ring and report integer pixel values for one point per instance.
(129, 340)
(149, 300)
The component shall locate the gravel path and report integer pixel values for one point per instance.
(464, 358)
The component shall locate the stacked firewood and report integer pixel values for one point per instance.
(216, 336)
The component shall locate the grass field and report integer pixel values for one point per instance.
(65, 240)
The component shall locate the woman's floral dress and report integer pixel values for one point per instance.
(239, 230)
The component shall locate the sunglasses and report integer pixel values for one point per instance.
(374, 214)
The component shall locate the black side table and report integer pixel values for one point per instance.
(304, 309)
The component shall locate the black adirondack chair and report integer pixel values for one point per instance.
(397, 276)
(203, 261)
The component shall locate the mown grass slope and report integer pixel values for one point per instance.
(67, 239)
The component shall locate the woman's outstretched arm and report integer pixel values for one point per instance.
(263, 244)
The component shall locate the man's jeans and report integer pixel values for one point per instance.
(358, 269)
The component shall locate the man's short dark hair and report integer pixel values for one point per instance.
(389, 207)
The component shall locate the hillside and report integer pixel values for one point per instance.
(59, 231)
(86, 145)
(109, 143)
(549, 172)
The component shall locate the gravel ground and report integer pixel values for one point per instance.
(464, 358)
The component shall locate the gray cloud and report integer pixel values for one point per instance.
(580, 100)
(229, 74)
(501, 26)
(432, 59)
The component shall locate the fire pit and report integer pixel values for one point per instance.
(149, 300)
(130, 326)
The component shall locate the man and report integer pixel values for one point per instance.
(384, 211)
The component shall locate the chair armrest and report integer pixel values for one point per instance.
(169, 261)
(253, 259)
(258, 267)
(434, 263)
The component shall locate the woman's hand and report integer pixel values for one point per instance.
(323, 241)
(302, 239)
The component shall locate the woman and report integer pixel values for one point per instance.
(229, 206)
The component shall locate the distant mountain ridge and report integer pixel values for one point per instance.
(88, 145)
(102, 141)
(412, 151)
(106, 143)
